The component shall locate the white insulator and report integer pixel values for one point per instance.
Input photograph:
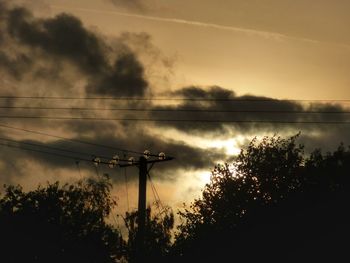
(161, 156)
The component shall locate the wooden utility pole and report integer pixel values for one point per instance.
(141, 216)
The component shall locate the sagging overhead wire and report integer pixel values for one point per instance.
(126, 189)
(52, 148)
(46, 152)
(158, 202)
(115, 158)
(145, 110)
(76, 158)
(69, 139)
(169, 120)
(113, 162)
(242, 99)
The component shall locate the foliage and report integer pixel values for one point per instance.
(261, 174)
(271, 202)
(158, 234)
(59, 223)
(270, 182)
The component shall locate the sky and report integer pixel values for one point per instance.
(269, 55)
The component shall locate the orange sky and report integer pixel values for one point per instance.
(283, 49)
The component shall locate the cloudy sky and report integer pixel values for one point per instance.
(216, 73)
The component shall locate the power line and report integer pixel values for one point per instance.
(174, 110)
(44, 146)
(56, 154)
(241, 99)
(155, 193)
(170, 120)
(57, 149)
(50, 153)
(67, 139)
(126, 189)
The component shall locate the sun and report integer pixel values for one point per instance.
(204, 177)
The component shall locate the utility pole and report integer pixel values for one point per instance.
(141, 213)
(141, 216)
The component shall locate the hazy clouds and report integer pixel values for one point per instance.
(60, 56)
(62, 47)
(242, 112)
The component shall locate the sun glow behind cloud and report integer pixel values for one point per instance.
(230, 146)
(189, 185)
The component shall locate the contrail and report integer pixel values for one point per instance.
(180, 21)
(249, 32)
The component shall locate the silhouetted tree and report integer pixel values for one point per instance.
(59, 224)
(158, 235)
(266, 205)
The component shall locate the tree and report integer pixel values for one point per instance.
(263, 173)
(59, 223)
(269, 198)
(158, 234)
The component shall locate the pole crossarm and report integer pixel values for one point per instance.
(150, 161)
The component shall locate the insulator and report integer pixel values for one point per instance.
(114, 162)
(131, 160)
(161, 156)
(96, 161)
(147, 154)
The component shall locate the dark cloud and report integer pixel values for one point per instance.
(63, 36)
(125, 78)
(219, 104)
(214, 92)
(159, 68)
(134, 136)
(142, 45)
(186, 157)
(326, 139)
(109, 70)
(15, 66)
